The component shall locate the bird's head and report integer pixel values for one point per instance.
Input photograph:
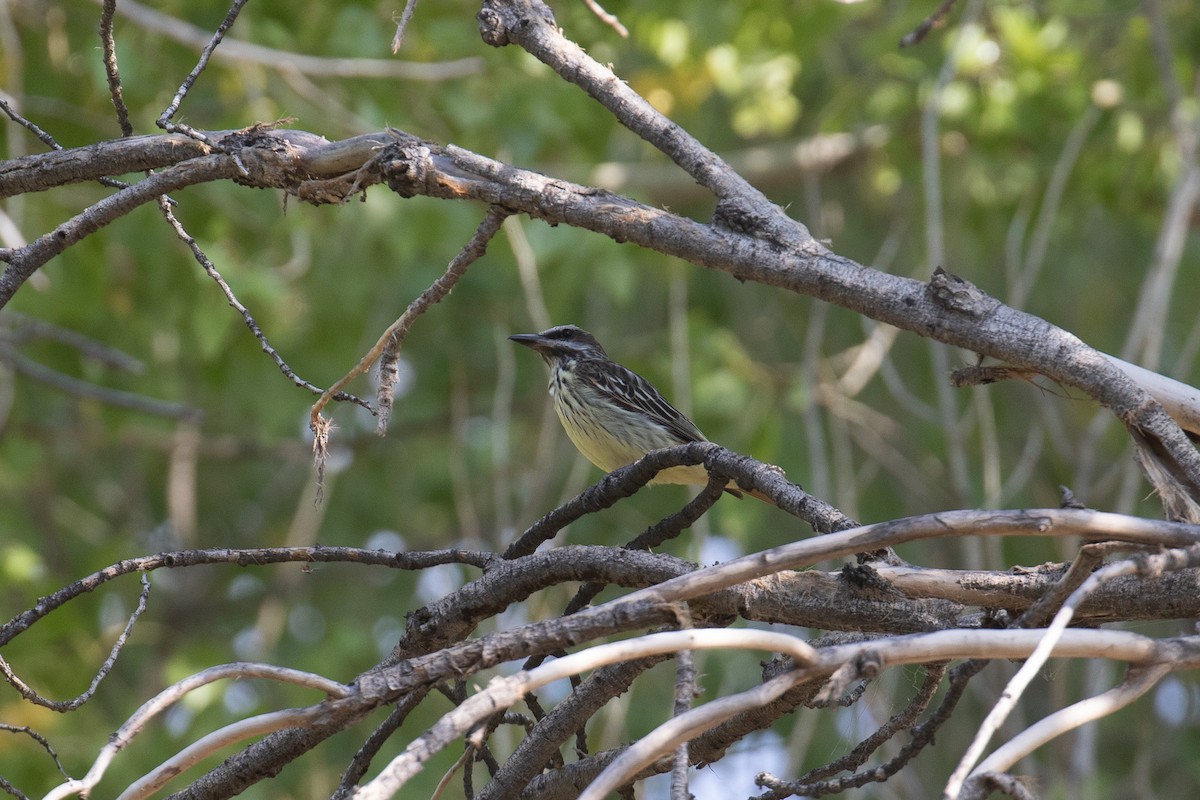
(562, 342)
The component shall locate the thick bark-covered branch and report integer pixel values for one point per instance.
(947, 309)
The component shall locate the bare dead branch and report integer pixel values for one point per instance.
(176, 692)
(1140, 680)
(64, 706)
(989, 782)
(383, 732)
(901, 721)
(456, 615)
(1179, 399)
(530, 24)
(240, 557)
(24, 261)
(655, 535)
(1129, 598)
(504, 691)
(214, 742)
(46, 139)
(538, 748)
(621, 483)
(1172, 559)
(632, 612)
(948, 308)
(652, 605)
(938, 646)
(922, 736)
(643, 752)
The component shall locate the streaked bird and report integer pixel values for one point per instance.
(613, 415)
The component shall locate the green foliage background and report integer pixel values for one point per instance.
(472, 456)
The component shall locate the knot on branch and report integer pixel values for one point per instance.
(504, 22)
(406, 166)
(262, 157)
(959, 295)
(738, 216)
(867, 582)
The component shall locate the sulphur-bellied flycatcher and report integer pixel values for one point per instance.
(613, 415)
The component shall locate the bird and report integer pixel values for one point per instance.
(611, 414)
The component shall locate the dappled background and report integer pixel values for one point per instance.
(1055, 154)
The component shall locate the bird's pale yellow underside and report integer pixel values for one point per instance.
(609, 452)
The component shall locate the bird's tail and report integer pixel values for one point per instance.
(755, 493)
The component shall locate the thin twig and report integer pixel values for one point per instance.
(608, 19)
(29, 125)
(414, 560)
(164, 119)
(42, 740)
(362, 759)
(203, 260)
(685, 693)
(1171, 559)
(502, 692)
(80, 388)
(24, 261)
(110, 67)
(394, 336)
(5, 786)
(64, 706)
(24, 327)
(1140, 680)
(539, 750)
(387, 349)
(929, 23)
(238, 51)
(256, 726)
(49, 140)
(652, 537)
(468, 751)
(901, 721)
(410, 6)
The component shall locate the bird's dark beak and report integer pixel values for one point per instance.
(532, 340)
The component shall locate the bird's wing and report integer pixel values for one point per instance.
(628, 390)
